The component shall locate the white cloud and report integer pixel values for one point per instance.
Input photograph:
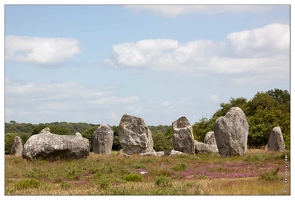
(40, 51)
(176, 10)
(142, 52)
(114, 100)
(262, 50)
(269, 40)
(69, 101)
(214, 98)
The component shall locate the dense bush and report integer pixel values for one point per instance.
(8, 141)
(162, 142)
(264, 111)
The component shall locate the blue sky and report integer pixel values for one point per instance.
(94, 63)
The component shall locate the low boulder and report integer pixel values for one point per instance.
(134, 135)
(46, 145)
(183, 139)
(102, 139)
(16, 147)
(231, 133)
(276, 140)
(175, 152)
(201, 147)
(158, 153)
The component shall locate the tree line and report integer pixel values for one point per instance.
(264, 111)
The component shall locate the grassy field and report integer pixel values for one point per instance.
(256, 173)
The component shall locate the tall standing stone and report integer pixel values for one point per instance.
(183, 138)
(276, 140)
(134, 135)
(231, 133)
(16, 147)
(102, 139)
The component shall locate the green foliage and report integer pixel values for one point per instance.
(53, 129)
(162, 142)
(264, 111)
(133, 177)
(14, 127)
(116, 143)
(202, 127)
(179, 167)
(88, 134)
(64, 185)
(26, 183)
(8, 141)
(163, 181)
(270, 175)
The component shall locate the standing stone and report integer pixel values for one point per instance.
(276, 140)
(16, 147)
(183, 138)
(46, 145)
(134, 135)
(231, 133)
(210, 139)
(102, 139)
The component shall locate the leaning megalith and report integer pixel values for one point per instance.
(231, 133)
(102, 139)
(50, 146)
(183, 138)
(16, 147)
(276, 140)
(134, 135)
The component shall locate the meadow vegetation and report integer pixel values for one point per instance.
(258, 172)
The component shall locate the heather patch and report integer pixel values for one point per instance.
(137, 175)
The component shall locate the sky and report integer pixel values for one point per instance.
(95, 63)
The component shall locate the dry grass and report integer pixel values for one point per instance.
(143, 175)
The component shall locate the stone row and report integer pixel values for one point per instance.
(229, 138)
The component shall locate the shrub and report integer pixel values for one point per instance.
(160, 171)
(133, 177)
(138, 166)
(161, 142)
(270, 175)
(103, 182)
(163, 181)
(179, 167)
(8, 141)
(65, 185)
(26, 183)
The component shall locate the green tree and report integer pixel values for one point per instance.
(8, 141)
(161, 142)
(202, 127)
(53, 129)
(264, 111)
(116, 144)
(88, 134)
(237, 102)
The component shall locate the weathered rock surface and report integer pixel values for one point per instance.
(276, 140)
(102, 139)
(175, 152)
(231, 133)
(183, 139)
(201, 147)
(210, 139)
(158, 153)
(134, 135)
(46, 145)
(16, 147)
